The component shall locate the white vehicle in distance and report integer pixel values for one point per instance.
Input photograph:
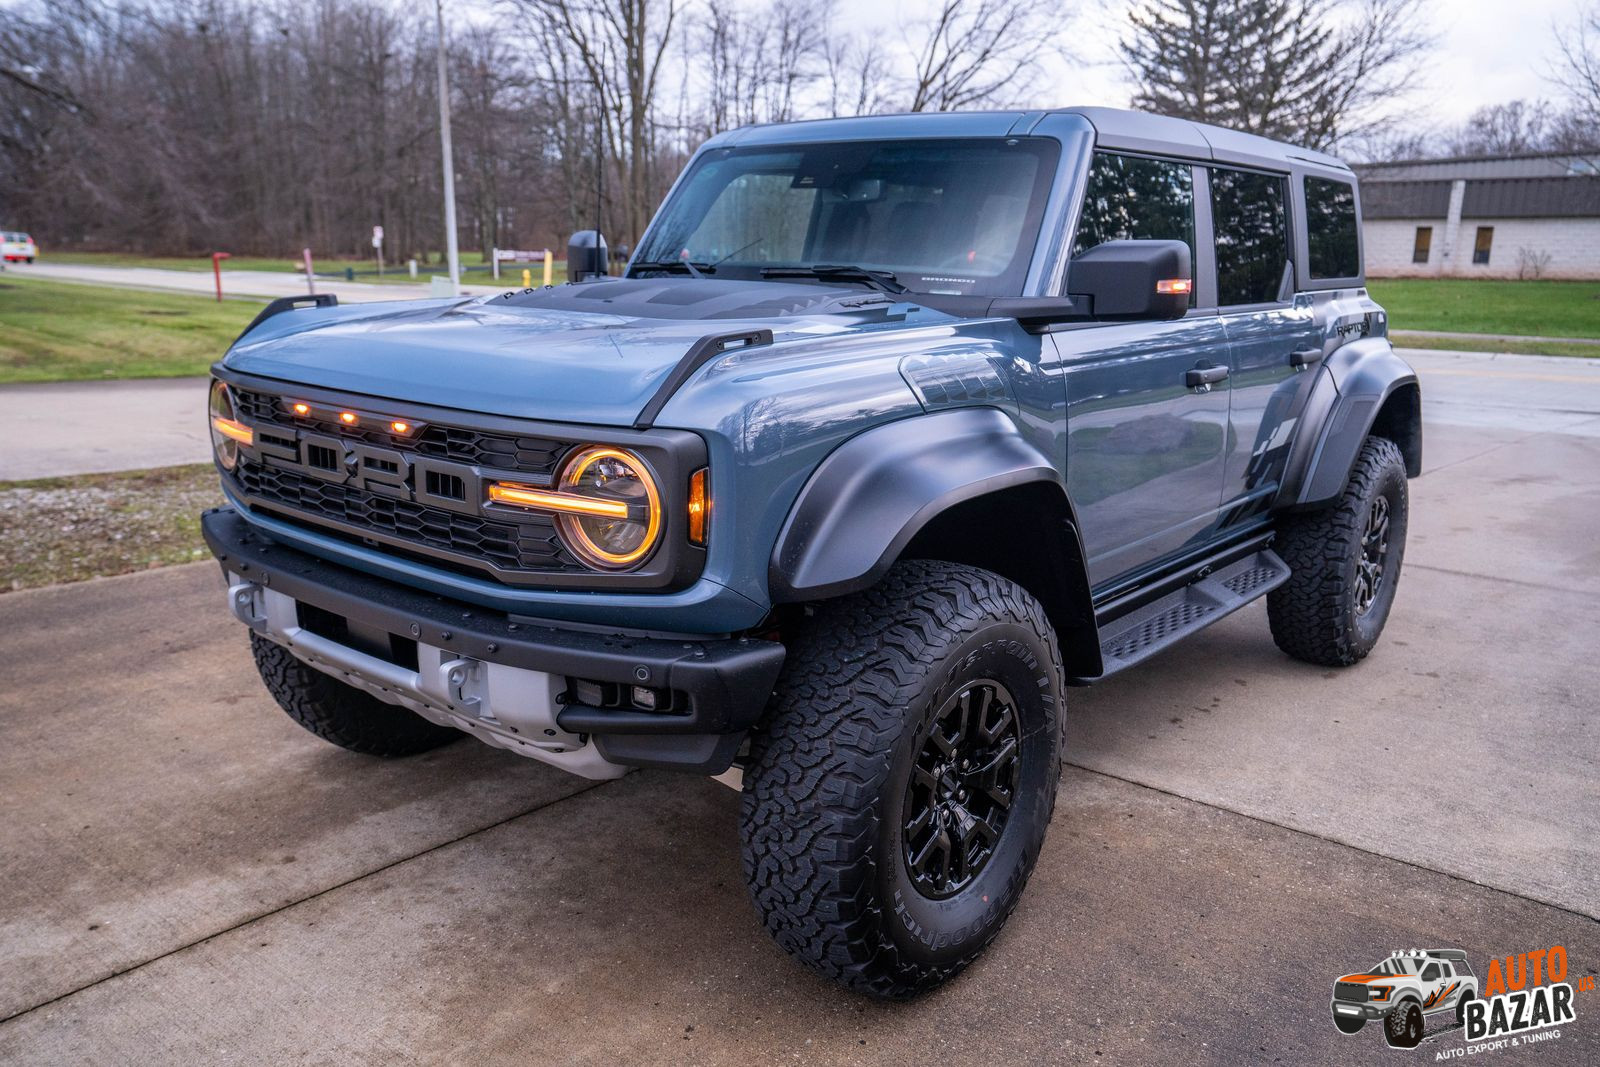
(15, 245)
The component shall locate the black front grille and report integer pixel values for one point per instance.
(1354, 992)
(529, 545)
(534, 455)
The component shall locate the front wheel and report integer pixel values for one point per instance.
(1345, 564)
(898, 794)
(1402, 1027)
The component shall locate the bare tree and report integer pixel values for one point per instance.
(1315, 71)
(973, 52)
(758, 65)
(618, 48)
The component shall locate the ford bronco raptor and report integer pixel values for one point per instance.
(1402, 990)
(893, 430)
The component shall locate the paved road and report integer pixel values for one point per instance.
(191, 878)
(49, 429)
(253, 283)
(40, 424)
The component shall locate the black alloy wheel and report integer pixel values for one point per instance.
(1374, 554)
(961, 788)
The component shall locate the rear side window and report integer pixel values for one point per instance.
(1131, 199)
(1331, 229)
(1252, 228)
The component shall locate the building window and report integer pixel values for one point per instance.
(1422, 245)
(1480, 247)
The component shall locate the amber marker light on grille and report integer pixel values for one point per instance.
(397, 426)
(699, 507)
(348, 418)
(238, 431)
(301, 409)
(1174, 286)
(571, 503)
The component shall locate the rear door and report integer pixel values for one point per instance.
(1273, 335)
(1144, 448)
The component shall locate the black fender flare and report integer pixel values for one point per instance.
(1345, 403)
(871, 495)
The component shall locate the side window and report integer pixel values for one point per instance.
(1480, 247)
(1430, 973)
(1423, 245)
(1131, 199)
(1331, 229)
(1444, 970)
(1252, 226)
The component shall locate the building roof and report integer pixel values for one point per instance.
(1532, 198)
(1405, 200)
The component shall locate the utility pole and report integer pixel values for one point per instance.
(452, 256)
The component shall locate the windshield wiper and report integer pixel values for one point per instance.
(882, 280)
(699, 270)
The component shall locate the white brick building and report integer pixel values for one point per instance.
(1506, 217)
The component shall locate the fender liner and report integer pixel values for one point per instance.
(1358, 381)
(871, 496)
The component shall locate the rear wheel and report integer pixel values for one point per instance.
(898, 794)
(1345, 563)
(340, 713)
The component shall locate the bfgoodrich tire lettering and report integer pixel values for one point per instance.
(340, 713)
(1333, 608)
(825, 791)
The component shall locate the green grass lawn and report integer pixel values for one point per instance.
(1534, 308)
(58, 332)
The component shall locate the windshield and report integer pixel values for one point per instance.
(941, 216)
(1390, 966)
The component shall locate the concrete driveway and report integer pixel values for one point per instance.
(191, 878)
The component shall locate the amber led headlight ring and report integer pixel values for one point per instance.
(606, 505)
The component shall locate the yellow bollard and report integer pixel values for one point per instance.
(549, 267)
(527, 279)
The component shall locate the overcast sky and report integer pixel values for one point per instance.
(1490, 51)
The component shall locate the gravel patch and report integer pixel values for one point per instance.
(69, 529)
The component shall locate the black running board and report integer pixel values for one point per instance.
(1141, 633)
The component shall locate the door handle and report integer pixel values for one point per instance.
(1304, 357)
(1204, 377)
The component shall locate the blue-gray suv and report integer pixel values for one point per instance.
(892, 430)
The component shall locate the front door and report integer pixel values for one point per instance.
(1144, 448)
(1145, 439)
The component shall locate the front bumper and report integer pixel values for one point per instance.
(1352, 1010)
(507, 681)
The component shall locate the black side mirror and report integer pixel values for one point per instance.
(1133, 279)
(587, 256)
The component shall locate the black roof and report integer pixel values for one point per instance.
(1531, 198)
(1405, 200)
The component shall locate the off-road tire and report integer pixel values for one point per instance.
(341, 713)
(825, 789)
(1347, 1024)
(1314, 615)
(1403, 1027)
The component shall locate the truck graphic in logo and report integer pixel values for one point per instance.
(1407, 993)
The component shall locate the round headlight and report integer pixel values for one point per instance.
(615, 476)
(222, 407)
